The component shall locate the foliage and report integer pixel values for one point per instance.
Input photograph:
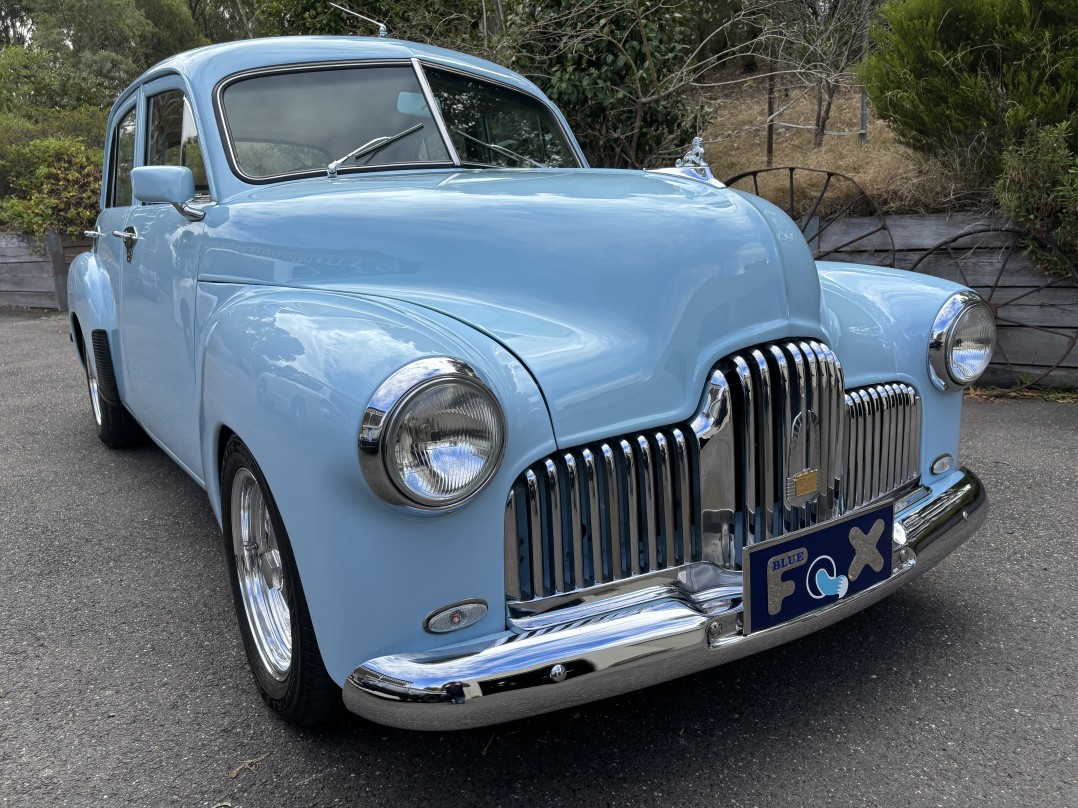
(32, 78)
(613, 68)
(1038, 187)
(623, 71)
(457, 25)
(969, 78)
(52, 183)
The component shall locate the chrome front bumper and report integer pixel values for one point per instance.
(517, 675)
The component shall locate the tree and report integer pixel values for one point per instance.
(624, 72)
(966, 79)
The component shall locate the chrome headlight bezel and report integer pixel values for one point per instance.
(941, 341)
(382, 419)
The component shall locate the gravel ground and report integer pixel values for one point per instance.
(123, 681)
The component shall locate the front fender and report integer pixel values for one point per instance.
(291, 374)
(879, 320)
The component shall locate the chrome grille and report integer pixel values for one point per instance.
(884, 441)
(782, 441)
(778, 445)
(602, 512)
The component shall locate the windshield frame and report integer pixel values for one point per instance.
(418, 66)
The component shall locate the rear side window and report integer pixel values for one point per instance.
(123, 160)
(172, 137)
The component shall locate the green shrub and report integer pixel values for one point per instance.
(1038, 188)
(966, 79)
(51, 183)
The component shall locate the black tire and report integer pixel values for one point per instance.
(301, 691)
(116, 427)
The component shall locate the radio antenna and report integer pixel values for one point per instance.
(382, 32)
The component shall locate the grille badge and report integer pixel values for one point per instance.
(803, 452)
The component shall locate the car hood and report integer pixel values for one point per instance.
(617, 289)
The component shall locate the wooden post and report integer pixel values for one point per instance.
(55, 247)
(770, 105)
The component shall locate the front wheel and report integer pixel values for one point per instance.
(274, 621)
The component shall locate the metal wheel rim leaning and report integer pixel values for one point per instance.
(261, 575)
(95, 393)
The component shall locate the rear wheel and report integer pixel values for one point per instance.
(274, 621)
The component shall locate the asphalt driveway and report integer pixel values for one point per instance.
(123, 682)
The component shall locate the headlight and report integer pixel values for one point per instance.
(962, 341)
(432, 435)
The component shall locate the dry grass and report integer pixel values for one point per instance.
(899, 180)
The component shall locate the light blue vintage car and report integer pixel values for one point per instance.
(489, 432)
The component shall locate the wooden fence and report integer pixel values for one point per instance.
(1035, 331)
(34, 273)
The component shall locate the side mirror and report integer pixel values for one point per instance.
(172, 184)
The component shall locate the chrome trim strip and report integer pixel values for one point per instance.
(714, 428)
(435, 110)
(638, 644)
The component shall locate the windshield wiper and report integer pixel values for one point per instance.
(369, 148)
(512, 155)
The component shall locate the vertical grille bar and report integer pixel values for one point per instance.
(613, 532)
(649, 520)
(535, 532)
(665, 481)
(557, 532)
(684, 497)
(746, 453)
(631, 556)
(595, 531)
(765, 419)
(512, 551)
(576, 536)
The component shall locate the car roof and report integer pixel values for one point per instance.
(205, 66)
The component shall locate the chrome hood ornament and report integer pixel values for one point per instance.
(693, 162)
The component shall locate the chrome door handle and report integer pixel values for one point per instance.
(95, 234)
(130, 236)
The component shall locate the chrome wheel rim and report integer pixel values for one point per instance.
(261, 575)
(95, 394)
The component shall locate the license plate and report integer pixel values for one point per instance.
(815, 567)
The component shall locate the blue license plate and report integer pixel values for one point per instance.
(793, 575)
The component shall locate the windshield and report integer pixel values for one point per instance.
(337, 120)
(493, 125)
(300, 122)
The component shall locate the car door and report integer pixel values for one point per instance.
(109, 246)
(158, 292)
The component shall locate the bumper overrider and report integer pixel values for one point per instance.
(518, 675)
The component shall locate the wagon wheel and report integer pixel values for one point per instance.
(1035, 336)
(818, 201)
